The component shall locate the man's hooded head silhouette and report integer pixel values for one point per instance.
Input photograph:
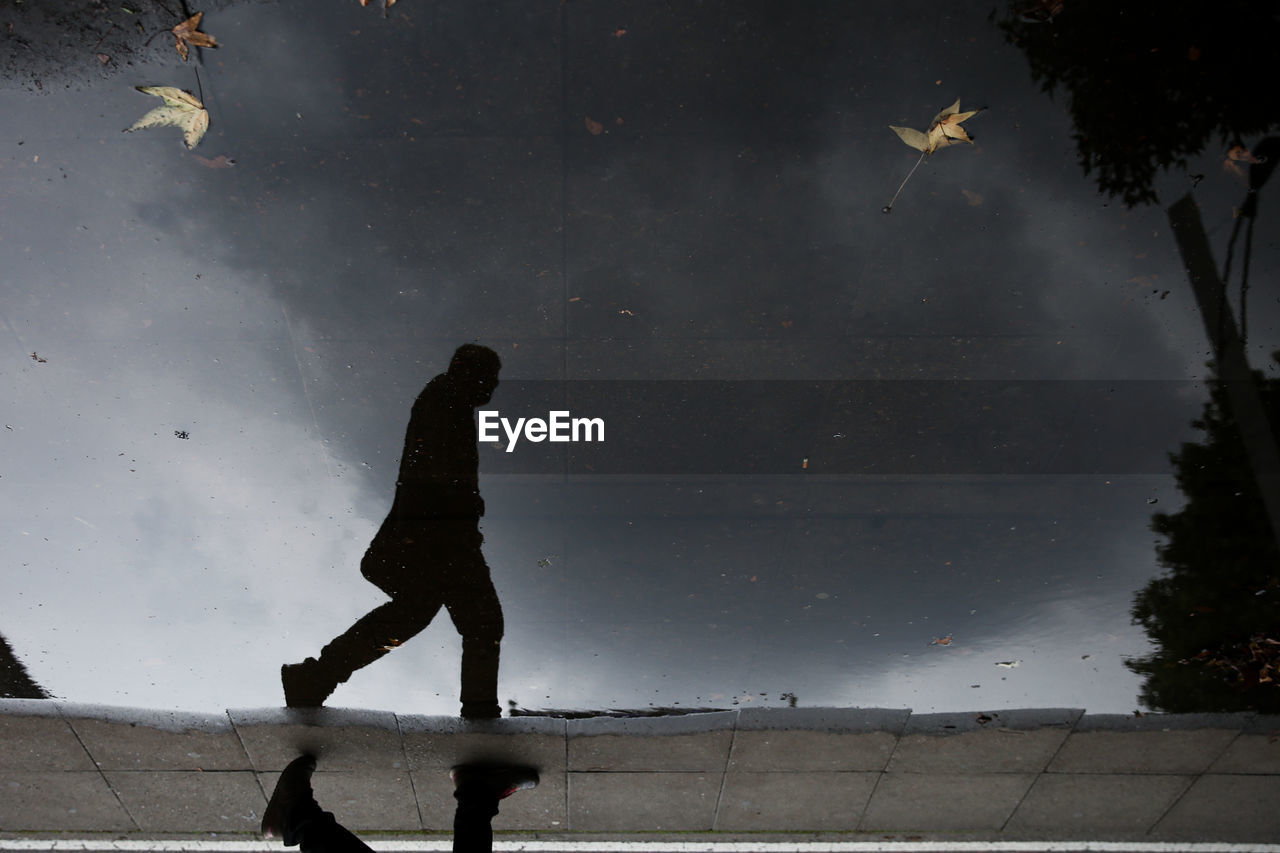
(473, 372)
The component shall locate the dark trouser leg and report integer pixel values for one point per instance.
(318, 832)
(472, 830)
(375, 634)
(477, 615)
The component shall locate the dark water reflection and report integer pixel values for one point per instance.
(850, 459)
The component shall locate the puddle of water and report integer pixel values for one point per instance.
(833, 439)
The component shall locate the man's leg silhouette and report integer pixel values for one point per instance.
(309, 683)
(476, 613)
(421, 567)
(294, 816)
(478, 790)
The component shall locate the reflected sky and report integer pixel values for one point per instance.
(955, 418)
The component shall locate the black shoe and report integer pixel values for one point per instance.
(304, 685)
(292, 790)
(501, 781)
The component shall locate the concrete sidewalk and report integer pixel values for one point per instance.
(1041, 773)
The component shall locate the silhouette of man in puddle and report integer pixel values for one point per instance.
(427, 553)
(294, 816)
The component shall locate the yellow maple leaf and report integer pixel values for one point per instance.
(187, 33)
(180, 109)
(944, 130)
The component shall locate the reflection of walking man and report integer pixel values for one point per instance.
(427, 553)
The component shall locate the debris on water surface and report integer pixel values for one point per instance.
(942, 641)
(1008, 664)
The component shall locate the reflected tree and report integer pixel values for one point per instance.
(1150, 84)
(15, 681)
(1213, 615)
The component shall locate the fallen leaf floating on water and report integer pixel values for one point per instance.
(944, 130)
(187, 33)
(222, 161)
(180, 109)
(942, 641)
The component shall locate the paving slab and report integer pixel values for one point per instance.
(34, 736)
(341, 738)
(818, 801)
(1112, 743)
(815, 739)
(1082, 805)
(60, 802)
(748, 772)
(435, 744)
(365, 799)
(944, 801)
(1015, 741)
(139, 739)
(545, 808)
(643, 802)
(1255, 750)
(190, 801)
(691, 743)
(1225, 808)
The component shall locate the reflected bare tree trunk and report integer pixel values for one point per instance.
(1230, 359)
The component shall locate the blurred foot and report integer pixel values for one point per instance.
(304, 685)
(502, 782)
(292, 790)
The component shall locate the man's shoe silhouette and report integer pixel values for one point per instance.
(304, 685)
(292, 790)
(502, 782)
